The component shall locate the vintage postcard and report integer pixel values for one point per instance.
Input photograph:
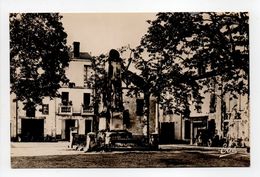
(124, 88)
(129, 90)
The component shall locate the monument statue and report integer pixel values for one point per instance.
(115, 81)
(112, 100)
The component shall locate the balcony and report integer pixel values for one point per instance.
(87, 110)
(65, 110)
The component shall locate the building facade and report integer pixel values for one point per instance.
(74, 108)
(55, 116)
(227, 117)
(223, 116)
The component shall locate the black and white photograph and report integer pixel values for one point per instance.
(129, 90)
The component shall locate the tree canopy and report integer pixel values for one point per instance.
(38, 56)
(181, 53)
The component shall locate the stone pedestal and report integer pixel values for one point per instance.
(102, 123)
(116, 122)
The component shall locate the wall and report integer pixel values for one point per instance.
(177, 120)
(49, 119)
(53, 123)
(76, 96)
(137, 123)
(75, 71)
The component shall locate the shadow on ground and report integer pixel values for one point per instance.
(161, 159)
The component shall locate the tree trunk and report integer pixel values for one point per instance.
(147, 113)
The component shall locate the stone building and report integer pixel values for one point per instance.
(54, 118)
(74, 108)
(228, 117)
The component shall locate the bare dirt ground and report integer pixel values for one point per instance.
(57, 155)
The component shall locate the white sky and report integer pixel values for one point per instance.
(100, 32)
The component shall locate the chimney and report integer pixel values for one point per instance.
(76, 49)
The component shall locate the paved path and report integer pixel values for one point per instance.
(61, 148)
(41, 149)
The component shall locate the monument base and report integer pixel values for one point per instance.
(102, 123)
(116, 122)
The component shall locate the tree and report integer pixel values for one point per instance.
(191, 51)
(38, 56)
(98, 82)
(183, 53)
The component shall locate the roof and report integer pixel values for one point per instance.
(84, 55)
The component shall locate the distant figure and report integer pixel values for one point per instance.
(72, 135)
(199, 139)
(145, 130)
(90, 142)
(71, 138)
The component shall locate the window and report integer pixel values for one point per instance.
(45, 109)
(198, 107)
(30, 112)
(86, 99)
(139, 107)
(87, 74)
(212, 106)
(65, 98)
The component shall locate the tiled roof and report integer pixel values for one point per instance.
(85, 55)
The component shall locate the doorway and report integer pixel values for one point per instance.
(32, 129)
(68, 123)
(86, 99)
(187, 129)
(88, 126)
(65, 98)
(167, 133)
